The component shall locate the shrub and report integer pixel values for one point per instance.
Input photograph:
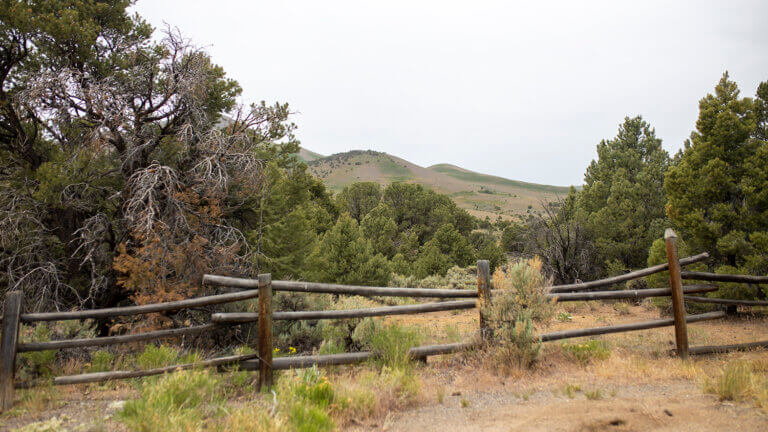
(155, 356)
(392, 344)
(523, 288)
(308, 398)
(564, 316)
(36, 363)
(516, 341)
(175, 402)
(585, 352)
(101, 361)
(303, 335)
(512, 314)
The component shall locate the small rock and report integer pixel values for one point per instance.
(668, 412)
(456, 393)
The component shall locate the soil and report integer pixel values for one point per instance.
(677, 406)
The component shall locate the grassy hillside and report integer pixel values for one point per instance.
(481, 194)
(308, 155)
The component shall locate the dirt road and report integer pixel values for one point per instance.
(679, 406)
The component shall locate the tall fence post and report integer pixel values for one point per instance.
(10, 334)
(483, 295)
(265, 330)
(676, 284)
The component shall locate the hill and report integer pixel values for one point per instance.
(308, 155)
(480, 194)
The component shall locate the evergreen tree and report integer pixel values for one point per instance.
(717, 188)
(623, 194)
(446, 249)
(512, 238)
(344, 256)
(359, 198)
(379, 227)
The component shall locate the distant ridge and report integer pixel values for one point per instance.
(481, 194)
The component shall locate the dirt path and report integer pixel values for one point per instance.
(678, 406)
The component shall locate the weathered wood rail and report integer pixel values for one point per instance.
(263, 287)
(627, 276)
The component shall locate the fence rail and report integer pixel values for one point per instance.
(263, 287)
(569, 334)
(730, 302)
(327, 288)
(715, 277)
(627, 276)
(140, 310)
(246, 317)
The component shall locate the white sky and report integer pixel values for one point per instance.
(523, 90)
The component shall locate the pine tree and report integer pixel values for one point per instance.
(379, 227)
(717, 188)
(623, 194)
(359, 198)
(344, 256)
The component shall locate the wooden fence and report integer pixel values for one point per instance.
(263, 287)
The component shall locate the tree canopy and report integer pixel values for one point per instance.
(716, 189)
(623, 194)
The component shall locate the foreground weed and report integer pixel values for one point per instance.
(181, 401)
(375, 393)
(585, 352)
(570, 390)
(36, 401)
(251, 419)
(155, 356)
(440, 395)
(734, 382)
(308, 398)
(593, 394)
(392, 344)
(621, 308)
(101, 361)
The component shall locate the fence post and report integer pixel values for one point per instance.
(10, 334)
(483, 295)
(265, 330)
(676, 284)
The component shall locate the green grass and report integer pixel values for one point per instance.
(390, 168)
(176, 402)
(392, 343)
(586, 352)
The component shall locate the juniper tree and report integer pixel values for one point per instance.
(623, 194)
(717, 186)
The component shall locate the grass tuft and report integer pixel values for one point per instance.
(734, 383)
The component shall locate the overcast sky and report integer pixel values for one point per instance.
(523, 90)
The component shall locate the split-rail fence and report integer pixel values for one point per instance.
(263, 287)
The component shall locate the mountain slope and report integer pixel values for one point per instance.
(480, 194)
(308, 155)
